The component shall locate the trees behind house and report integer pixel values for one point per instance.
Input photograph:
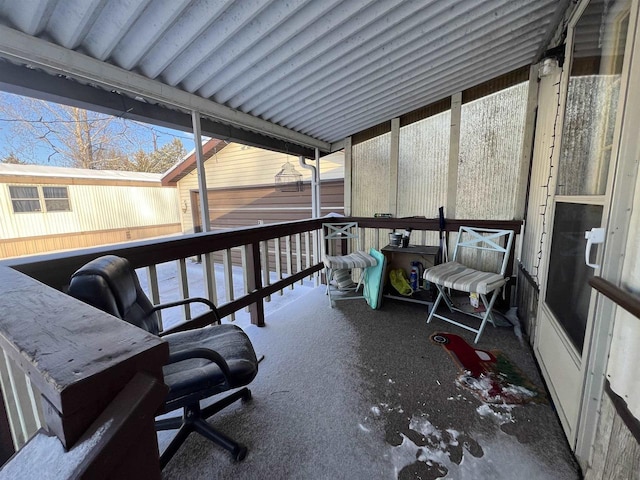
(52, 134)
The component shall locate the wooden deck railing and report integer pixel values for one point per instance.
(81, 361)
(273, 257)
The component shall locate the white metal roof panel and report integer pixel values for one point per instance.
(17, 170)
(327, 68)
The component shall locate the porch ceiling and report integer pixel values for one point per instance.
(303, 71)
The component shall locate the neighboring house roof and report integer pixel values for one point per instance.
(10, 170)
(188, 163)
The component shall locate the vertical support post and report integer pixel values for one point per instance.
(347, 176)
(454, 154)
(208, 264)
(526, 156)
(394, 158)
(202, 179)
(317, 238)
(318, 212)
(254, 282)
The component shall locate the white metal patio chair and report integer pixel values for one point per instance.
(338, 267)
(456, 275)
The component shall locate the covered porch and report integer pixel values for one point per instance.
(510, 114)
(344, 392)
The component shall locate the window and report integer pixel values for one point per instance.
(56, 199)
(29, 199)
(25, 199)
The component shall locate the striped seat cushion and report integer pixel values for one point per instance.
(357, 259)
(457, 276)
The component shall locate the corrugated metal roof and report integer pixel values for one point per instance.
(327, 69)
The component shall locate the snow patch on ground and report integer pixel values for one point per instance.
(492, 388)
(499, 413)
(498, 457)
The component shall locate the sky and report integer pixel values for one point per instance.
(17, 138)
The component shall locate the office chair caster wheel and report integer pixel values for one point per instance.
(247, 396)
(239, 455)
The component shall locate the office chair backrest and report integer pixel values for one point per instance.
(110, 284)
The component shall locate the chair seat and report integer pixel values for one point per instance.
(457, 276)
(199, 374)
(357, 259)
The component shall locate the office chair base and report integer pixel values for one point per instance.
(194, 420)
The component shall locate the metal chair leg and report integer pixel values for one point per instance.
(487, 313)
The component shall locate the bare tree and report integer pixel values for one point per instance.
(49, 133)
(12, 158)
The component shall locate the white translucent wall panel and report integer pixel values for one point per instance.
(423, 167)
(588, 134)
(491, 135)
(370, 184)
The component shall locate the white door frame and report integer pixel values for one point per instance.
(623, 180)
(616, 214)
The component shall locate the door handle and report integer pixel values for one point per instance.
(594, 236)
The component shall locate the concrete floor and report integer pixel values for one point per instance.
(353, 393)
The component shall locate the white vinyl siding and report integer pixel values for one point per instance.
(95, 207)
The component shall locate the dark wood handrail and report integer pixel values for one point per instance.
(55, 269)
(433, 224)
(628, 301)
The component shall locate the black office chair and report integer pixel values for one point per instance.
(203, 361)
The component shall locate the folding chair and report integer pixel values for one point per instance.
(338, 267)
(458, 276)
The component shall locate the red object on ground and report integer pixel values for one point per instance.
(471, 359)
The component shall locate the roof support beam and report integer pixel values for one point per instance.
(54, 88)
(25, 49)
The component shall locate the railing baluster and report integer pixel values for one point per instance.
(307, 251)
(183, 286)
(264, 253)
(316, 275)
(154, 290)
(209, 266)
(23, 410)
(245, 272)
(299, 255)
(287, 243)
(278, 260)
(228, 278)
(36, 406)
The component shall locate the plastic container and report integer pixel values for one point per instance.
(395, 239)
(414, 277)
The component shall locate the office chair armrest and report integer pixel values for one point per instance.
(205, 353)
(186, 301)
(200, 321)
